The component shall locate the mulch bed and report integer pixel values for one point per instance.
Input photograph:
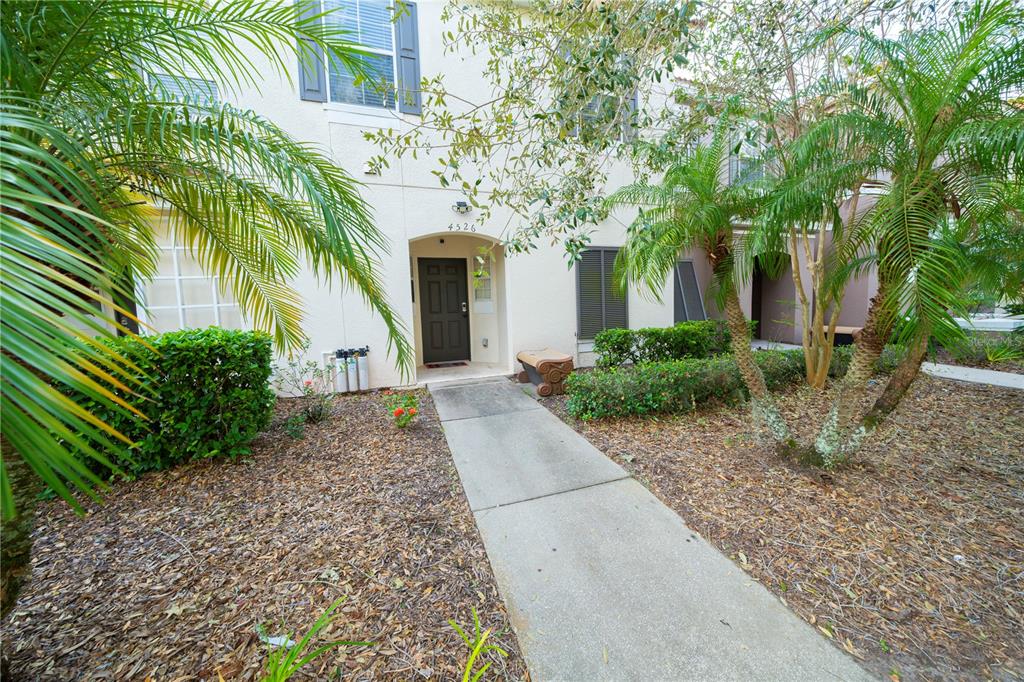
(911, 558)
(170, 577)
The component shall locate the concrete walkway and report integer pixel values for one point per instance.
(973, 375)
(956, 372)
(603, 581)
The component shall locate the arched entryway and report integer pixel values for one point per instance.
(459, 306)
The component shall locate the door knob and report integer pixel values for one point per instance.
(464, 308)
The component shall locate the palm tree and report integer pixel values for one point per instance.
(934, 109)
(89, 145)
(694, 206)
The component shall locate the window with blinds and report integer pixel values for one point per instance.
(687, 302)
(745, 164)
(369, 23)
(196, 90)
(599, 306)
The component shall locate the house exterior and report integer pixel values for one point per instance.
(460, 296)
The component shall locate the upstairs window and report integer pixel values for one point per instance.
(599, 305)
(605, 110)
(369, 24)
(745, 164)
(196, 90)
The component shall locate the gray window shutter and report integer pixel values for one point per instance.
(589, 294)
(599, 306)
(312, 73)
(407, 49)
(615, 315)
(687, 301)
(629, 117)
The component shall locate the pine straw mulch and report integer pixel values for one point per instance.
(170, 577)
(911, 558)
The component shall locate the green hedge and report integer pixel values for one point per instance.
(207, 395)
(699, 339)
(684, 385)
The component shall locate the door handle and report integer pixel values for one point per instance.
(465, 308)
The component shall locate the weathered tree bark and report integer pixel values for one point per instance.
(897, 387)
(898, 384)
(766, 413)
(853, 387)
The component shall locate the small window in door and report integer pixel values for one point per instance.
(688, 303)
(483, 284)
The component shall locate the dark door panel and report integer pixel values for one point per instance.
(444, 309)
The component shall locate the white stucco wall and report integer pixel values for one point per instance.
(535, 294)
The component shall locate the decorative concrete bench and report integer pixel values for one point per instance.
(547, 368)
(845, 335)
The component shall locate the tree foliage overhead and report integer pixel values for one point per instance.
(562, 78)
(90, 145)
(878, 134)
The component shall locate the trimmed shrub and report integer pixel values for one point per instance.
(206, 394)
(672, 387)
(684, 385)
(697, 339)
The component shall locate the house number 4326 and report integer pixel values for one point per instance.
(462, 227)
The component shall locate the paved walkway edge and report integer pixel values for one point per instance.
(956, 372)
(602, 581)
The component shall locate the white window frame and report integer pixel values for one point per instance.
(740, 161)
(369, 109)
(179, 306)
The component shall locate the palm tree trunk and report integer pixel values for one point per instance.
(766, 415)
(854, 386)
(739, 330)
(899, 382)
(897, 387)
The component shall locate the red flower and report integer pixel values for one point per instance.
(399, 411)
(308, 382)
(412, 410)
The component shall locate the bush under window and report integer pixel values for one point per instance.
(206, 394)
(684, 385)
(694, 339)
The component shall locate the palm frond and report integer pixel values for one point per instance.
(57, 290)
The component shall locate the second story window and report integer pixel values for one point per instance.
(369, 23)
(194, 90)
(745, 164)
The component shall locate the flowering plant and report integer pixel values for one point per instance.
(314, 383)
(403, 406)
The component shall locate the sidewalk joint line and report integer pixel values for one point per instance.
(557, 492)
(484, 416)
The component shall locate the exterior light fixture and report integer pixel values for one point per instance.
(461, 207)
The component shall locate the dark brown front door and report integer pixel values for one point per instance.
(444, 311)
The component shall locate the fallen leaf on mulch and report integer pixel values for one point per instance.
(169, 579)
(911, 558)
